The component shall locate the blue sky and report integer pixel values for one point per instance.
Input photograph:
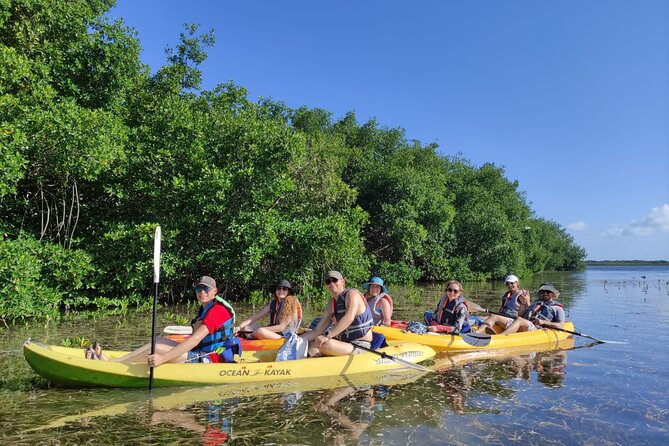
(571, 97)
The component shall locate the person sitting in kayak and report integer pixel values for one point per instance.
(285, 312)
(514, 303)
(379, 301)
(545, 312)
(212, 339)
(451, 315)
(346, 321)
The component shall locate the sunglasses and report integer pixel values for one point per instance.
(281, 288)
(330, 280)
(204, 288)
(452, 290)
(509, 283)
(544, 292)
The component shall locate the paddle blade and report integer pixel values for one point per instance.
(411, 365)
(474, 307)
(178, 329)
(476, 339)
(156, 256)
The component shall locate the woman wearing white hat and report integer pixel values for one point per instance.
(514, 303)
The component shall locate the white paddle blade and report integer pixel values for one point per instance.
(178, 329)
(156, 256)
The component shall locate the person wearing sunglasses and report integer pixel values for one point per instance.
(514, 303)
(212, 340)
(544, 312)
(379, 301)
(285, 313)
(346, 321)
(451, 315)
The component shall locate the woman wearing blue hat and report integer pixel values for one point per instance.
(379, 301)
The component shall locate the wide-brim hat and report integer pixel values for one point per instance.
(549, 287)
(283, 283)
(375, 281)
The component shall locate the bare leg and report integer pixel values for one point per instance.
(264, 333)
(493, 324)
(519, 324)
(334, 347)
(139, 355)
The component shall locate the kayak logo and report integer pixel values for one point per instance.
(234, 373)
(404, 355)
(411, 354)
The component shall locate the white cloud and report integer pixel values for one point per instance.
(656, 222)
(577, 226)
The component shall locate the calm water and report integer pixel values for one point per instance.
(606, 394)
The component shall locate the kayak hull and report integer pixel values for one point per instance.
(69, 368)
(449, 342)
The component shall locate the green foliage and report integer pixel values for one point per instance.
(76, 342)
(178, 319)
(36, 277)
(95, 152)
(257, 298)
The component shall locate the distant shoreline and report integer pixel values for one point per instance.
(627, 263)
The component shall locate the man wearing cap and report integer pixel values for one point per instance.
(545, 312)
(514, 302)
(285, 312)
(213, 330)
(345, 323)
(379, 301)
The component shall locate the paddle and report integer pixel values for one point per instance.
(178, 329)
(476, 339)
(156, 280)
(477, 307)
(392, 358)
(601, 341)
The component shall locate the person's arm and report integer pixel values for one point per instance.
(524, 301)
(193, 340)
(460, 318)
(256, 317)
(543, 322)
(320, 328)
(386, 312)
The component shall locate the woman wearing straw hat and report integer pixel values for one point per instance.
(379, 301)
(285, 312)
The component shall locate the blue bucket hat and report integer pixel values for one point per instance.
(375, 281)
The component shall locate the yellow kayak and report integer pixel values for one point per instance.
(448, 359)
(68, 367)
(449, 342)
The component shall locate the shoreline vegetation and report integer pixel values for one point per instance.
(97, 150)
(627, 262)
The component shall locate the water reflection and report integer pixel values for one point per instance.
(215, 429)
(608, 394)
